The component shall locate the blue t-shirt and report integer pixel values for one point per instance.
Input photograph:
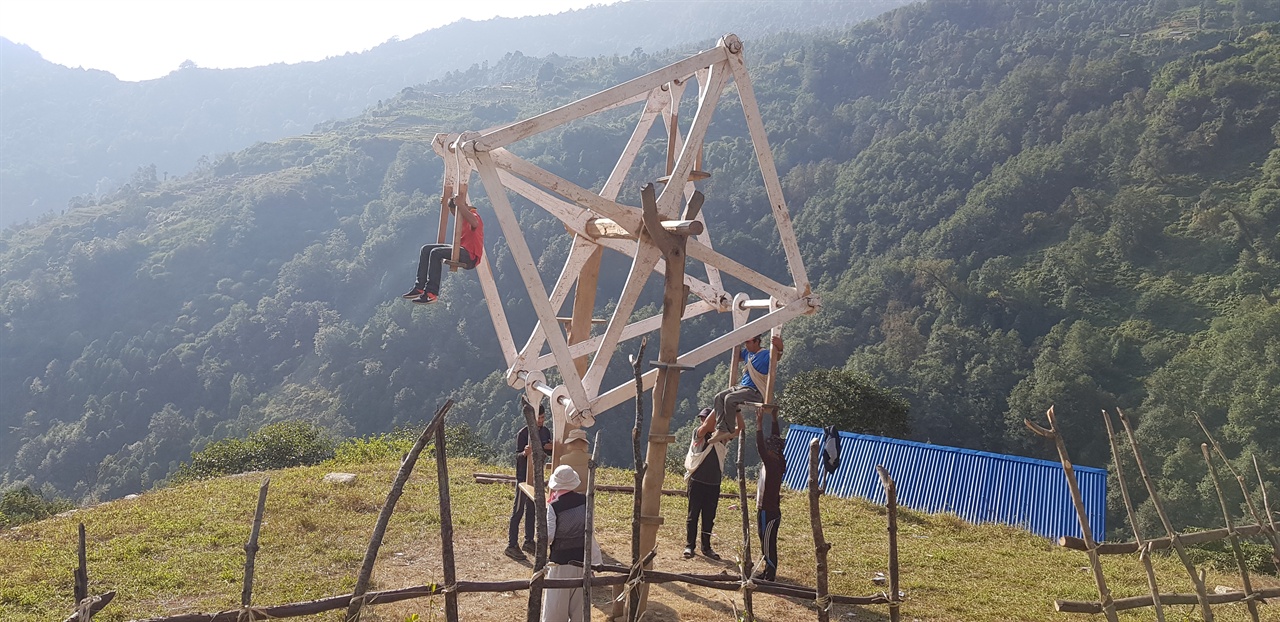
(760, 361)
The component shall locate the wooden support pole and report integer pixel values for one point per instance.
(384, 517)
(1145, 555)
(1232, 537)
(820, 545)
(82, 570)
(1104, 595)
(633, 597)
(1175, 539)
(1159, 544)
(891, 506)
(539, 455)
(746, 527)
(251, 547)
(446, 527)
(589, 533)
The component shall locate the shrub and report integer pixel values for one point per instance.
(851, 401)
(23, 505)
(460, 441)
(276, 446)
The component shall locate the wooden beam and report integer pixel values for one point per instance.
(606, 228)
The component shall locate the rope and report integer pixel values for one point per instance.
(249, 613)
(823, 602)
(541, 573)
(634, 577)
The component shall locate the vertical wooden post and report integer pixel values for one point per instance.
(1271, 536)
(746, 528)
(384, 517)
(633, 597)
(1232, 536)
(446, 528)
(589, 534)
(891, 504)
(1145, 556)
(667, 385)
(820, 545)
(1104, 595)
(251, 547)
(1196, 578)
(540, 514)
(82, 570)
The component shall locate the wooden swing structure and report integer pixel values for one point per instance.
(658, 236)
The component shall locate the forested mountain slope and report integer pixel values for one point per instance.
(72, 132)
(1004, 204)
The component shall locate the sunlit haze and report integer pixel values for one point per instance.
(145, 39)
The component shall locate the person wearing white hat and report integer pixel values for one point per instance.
(566, 529)
(704, 469)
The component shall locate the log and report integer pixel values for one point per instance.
(633, 597)
(82, 570)
(90, 605)
(589, 531)
(1145, 556)
(393, 495)
(1135, 602)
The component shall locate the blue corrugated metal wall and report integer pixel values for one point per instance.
(978, 486)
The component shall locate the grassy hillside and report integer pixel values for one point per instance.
(179, 550)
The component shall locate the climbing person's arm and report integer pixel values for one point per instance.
(466, 214)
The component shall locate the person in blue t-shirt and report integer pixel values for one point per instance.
(755, 361)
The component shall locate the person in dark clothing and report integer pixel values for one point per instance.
(566, 528)
(523, 506)
(769, 495)
(704, 470)
(471, 242)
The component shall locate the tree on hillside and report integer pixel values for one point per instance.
(848, 400)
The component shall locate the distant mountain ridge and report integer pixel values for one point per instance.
(67, 132)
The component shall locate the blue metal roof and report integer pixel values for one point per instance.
(978, 486)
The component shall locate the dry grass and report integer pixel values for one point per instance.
(179, 550)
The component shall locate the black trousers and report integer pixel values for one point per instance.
(429, 262)
(521, 509)
(703, 500)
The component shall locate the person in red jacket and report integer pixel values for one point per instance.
(426, 289)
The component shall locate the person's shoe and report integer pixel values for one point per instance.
(530, 548)
(426, 298)
(688, 552)
(413, 293)
(514, 553)
(707, 553)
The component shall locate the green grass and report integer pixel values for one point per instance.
(179, 550)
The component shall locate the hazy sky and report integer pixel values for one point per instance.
(144, 39)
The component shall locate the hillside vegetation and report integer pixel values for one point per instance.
(1004, 204)
(83, 133)
(180, 550)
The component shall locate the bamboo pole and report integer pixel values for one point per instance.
(633, 596)
(251, 547)
(722, 582)
(384, 517)
(1136, 602)
(1232, 537)
(891, 506)
(1272, 537)
(1174, 538)
(1104, 595)
(539, 456)
(1145, 555)
(1159, 544)
(446, 527)
(820, 545)
(1266, 506)
(589, 533)
(746, 529)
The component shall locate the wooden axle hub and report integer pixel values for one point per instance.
(604, 228)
